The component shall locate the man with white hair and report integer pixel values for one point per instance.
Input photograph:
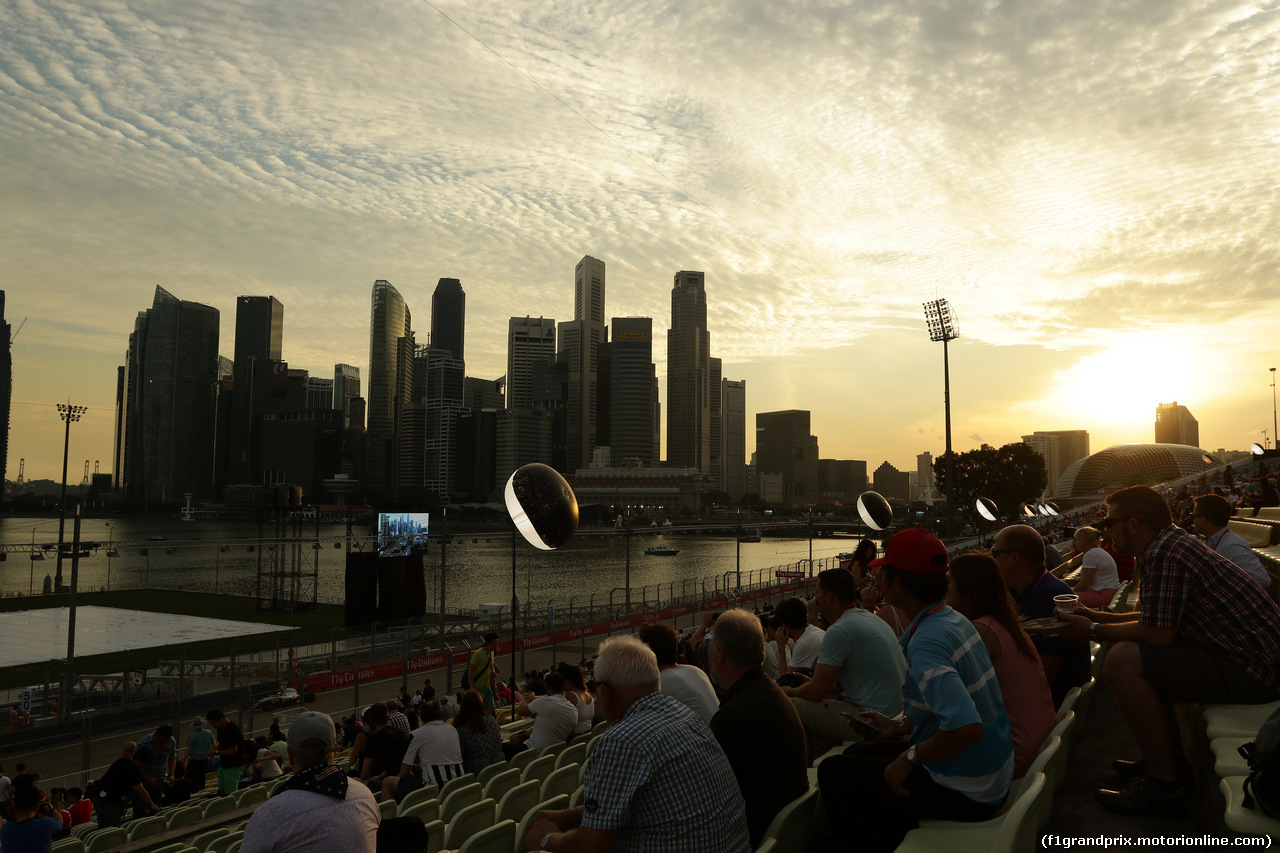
(317, 810)
(657, 779)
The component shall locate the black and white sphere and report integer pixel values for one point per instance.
(542, 505)
(987, 508)
(1028, 511)
(875, 510)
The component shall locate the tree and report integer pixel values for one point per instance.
(1011, 476)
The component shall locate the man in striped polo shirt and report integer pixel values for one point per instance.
(950, 756)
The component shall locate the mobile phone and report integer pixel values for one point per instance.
(860, 725)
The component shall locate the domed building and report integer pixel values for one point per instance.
(1129, 465)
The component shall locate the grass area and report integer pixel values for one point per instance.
(314, 626)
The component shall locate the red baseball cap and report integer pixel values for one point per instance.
(914, 550)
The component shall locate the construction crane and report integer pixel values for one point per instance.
(85, 481)
(95, 467)
(22, 467)
(19, 329)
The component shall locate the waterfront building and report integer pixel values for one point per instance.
(389, 323)
(892, 483)
(168, 402)
(1091, 478)
(689, 375)
(255, 382)
(521, 436)
(655, 491)
(531, 341)
(477, 449)
(1058, 448)
(841, 480)
(579, 345)
(1176, 425)
(628, 395)
(785, 446)
(448, 317)
(303, 449)
(442, 378)
(733, 419)
(715, 434)
(346, 388)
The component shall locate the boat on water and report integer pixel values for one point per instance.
(662, 551)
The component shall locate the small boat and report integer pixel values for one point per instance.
(745, 538)
(662, 551)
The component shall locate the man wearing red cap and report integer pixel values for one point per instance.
(950, 756)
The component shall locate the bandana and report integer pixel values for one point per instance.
(324, 779)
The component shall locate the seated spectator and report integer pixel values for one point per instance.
(434, 757)
(859, 665)
(478, 733)
(384, 750)
(757, 725)
(1210, 519)
(807, 638)
(1019, 552)
(950, 757)
(79, 806)
(976, 590)
(769, 624)
(1205, 633)
(553, 719)
(1098, 578)
(35, 822)
(397, 718)
(576, 692)
(266, 764)
(686, 684)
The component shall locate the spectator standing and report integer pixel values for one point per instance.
(480, 670)
(200, 754)
(6, 791)
(230, 751)
(123, 778)
(164, 756)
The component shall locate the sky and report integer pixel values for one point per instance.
(1092, 185)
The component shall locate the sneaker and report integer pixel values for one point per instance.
(1142, 797)
(1127, 769)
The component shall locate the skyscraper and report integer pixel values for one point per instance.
(632, 383)
(170, 374)
(784, 446)
(530, 342)
(1058, 448)
(443, 381)
(579, 348)
(346, 388)
(1176, 425)
(448, 317)
(389, 321)
(259, 338)
(689, 375)
(733, 460)
(6, 393)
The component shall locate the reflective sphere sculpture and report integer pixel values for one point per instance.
(987, 508)
(874, 510)
(542, 505)
(1028, 511)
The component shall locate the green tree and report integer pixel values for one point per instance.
(1010, 475)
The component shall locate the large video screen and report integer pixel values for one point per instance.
(401, 534)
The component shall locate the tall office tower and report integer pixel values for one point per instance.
(689, 375)
(892, 483)
(319, 393)
(443, 380)
(389, 321)
(1176, 425)
(480, 393)
(448, 317)
(550, 393)
(408, 392)
(924, 474)
(6, 393)
(170, 414)
(733, 459)
(579, 348)
(259, 337)
(1058, 448)
(784, 446)
(530, 341)
(716, 441)
(346, 388)
(633, 379)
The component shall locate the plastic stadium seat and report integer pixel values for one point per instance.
(555, 748)
(223, 844)
(539, 768)
(107, 839)
(147, 827)
(219, 805)
(1065, 729)
(791, 828)
(523, 827)
(499, 783)
(389, 808)
(176, 847)
(1236, 720)
(185, 816)
(563, 780)
(1016, 832)
(518, 800)
(1051, 761)
(459, 799)
(522, 759)
(492, 770)
(1240, 819)
(204, 839)
(252, 795)
(1227, 758)
(427, 792)
(498, 838)
(455, 783)
(85, 828)
(576, 798)
(71, 844)
(468, 822)
(428, 810)
(1068, 702)
(575, 754)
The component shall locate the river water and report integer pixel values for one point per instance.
(224, 556)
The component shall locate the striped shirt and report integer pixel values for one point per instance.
(1211, 601)
(659, 777)
(952, 684)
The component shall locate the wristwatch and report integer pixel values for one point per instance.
(911, 753)
(542, 845)
(1093, 632)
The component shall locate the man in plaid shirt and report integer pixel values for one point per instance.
(657, 781)
(1205, 633)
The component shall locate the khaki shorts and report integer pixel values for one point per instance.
(823, 720)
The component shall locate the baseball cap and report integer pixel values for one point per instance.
(311, 726)
(914, 550)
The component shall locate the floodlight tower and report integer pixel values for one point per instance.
(69, 414)
(942, 327)
(1275, 426)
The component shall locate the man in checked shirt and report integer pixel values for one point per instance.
(657, 780)
(1205, 632)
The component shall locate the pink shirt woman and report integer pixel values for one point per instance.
(1027, 700)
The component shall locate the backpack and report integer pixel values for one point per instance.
(1262, 786)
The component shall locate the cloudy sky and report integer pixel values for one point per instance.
(1093, 185)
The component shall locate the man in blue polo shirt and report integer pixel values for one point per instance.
(1019, 552)
(950, 756)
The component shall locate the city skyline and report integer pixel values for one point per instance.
(1089, 188)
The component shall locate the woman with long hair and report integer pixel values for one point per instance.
(862, 557)
(581, 697)
(976, 589)
(478, 733)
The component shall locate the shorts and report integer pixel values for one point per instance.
(486, 693)
(823, 720)
(1189, 672)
